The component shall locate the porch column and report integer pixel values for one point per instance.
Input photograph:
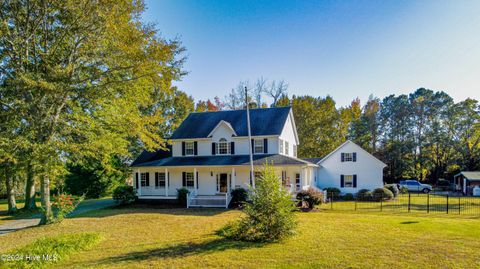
(234, 177)
(195, 179)
(166, 182)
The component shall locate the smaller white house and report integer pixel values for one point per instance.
(350, 168)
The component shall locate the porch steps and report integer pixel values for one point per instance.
(208, 201)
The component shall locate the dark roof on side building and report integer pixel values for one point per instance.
(313, 160)
(264, 121)
(273, 159)
(147, 156)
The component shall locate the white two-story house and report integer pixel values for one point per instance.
(210, 156)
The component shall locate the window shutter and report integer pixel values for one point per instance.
(342, 181)
(232, 147)
(343, 157)
(218, 183)
(136, 180)
(265, 145)
(184, 179)
(183, 148)
(195, 148)
(197, 179)
(253, 147)
(354, 181)
(156, 179)
(354, 157)
(167, 183)
(213, 148)
(148, 179)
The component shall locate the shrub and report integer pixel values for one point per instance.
(63, 205)
(393, 188)
(239, 196)
(311, 197)
(124, 194)
(182, 196)
(268, 217)
(382, 194)
(364, 195)
(335, 192)
(348, 197)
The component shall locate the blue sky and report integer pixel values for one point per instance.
(345, 49)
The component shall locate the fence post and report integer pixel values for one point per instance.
(459, 211)
(428, 202)
(409, 202)
(381, 202)
(447, 203)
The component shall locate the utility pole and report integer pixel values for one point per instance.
(252, 175)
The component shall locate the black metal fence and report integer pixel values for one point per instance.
(412, 202)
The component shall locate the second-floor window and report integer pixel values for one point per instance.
(189, 148)
(258, 146)
(294, 150)
(286, 148)
(281, 146)
(223, 147)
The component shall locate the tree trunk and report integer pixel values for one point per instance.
(47, 207)
(12, 204)
(30, 190)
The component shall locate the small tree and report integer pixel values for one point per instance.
(269, 215)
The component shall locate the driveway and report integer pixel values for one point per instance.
(85, 206)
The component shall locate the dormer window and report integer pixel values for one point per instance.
(189, 148)
(223, 147)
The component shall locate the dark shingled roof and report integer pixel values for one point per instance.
(264, 121)
(147, 156)
(274, 159)
(313, 160)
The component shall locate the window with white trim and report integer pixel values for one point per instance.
(223, 147)
(190, 180)
(189, 148)
(281, 146)
(257, 175)
(143, 179)
(348, 157)
(160, 180)
(294, 150)
(258, 146)
(286, 147)
(348, 181)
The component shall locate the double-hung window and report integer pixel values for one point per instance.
(160, 180)
(294, 150)
(258, 146)
(348, 181)
(223, 147)
(189, 148)
(286, 147)
(189, 179)
(281, 146)
(348, 157)
(143, 179)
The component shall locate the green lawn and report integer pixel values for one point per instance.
(154, 237)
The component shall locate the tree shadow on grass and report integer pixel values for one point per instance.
(182, 250)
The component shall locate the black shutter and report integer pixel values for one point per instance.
(148, 179)
(342, 181)
(195, 148)
(156, 179)
(183, 148)
(197, 179)
(213, 148)
(136, 180)
(253, 147)
(232, 147)
(354, 157)
(265, 145)
(184, 179)
(354, 181)
(167, 180)
(343, 157)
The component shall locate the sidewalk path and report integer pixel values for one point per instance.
(85, 206)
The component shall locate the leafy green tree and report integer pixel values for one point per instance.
(80, 75)
(270, 214)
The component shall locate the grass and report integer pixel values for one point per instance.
(47, 251)
(139, 237)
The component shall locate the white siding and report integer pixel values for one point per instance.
(369, 170)
(288, 134)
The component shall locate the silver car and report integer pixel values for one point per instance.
(415, 186)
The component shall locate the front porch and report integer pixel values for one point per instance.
(210, 186)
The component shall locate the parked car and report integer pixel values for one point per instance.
(415, 186)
